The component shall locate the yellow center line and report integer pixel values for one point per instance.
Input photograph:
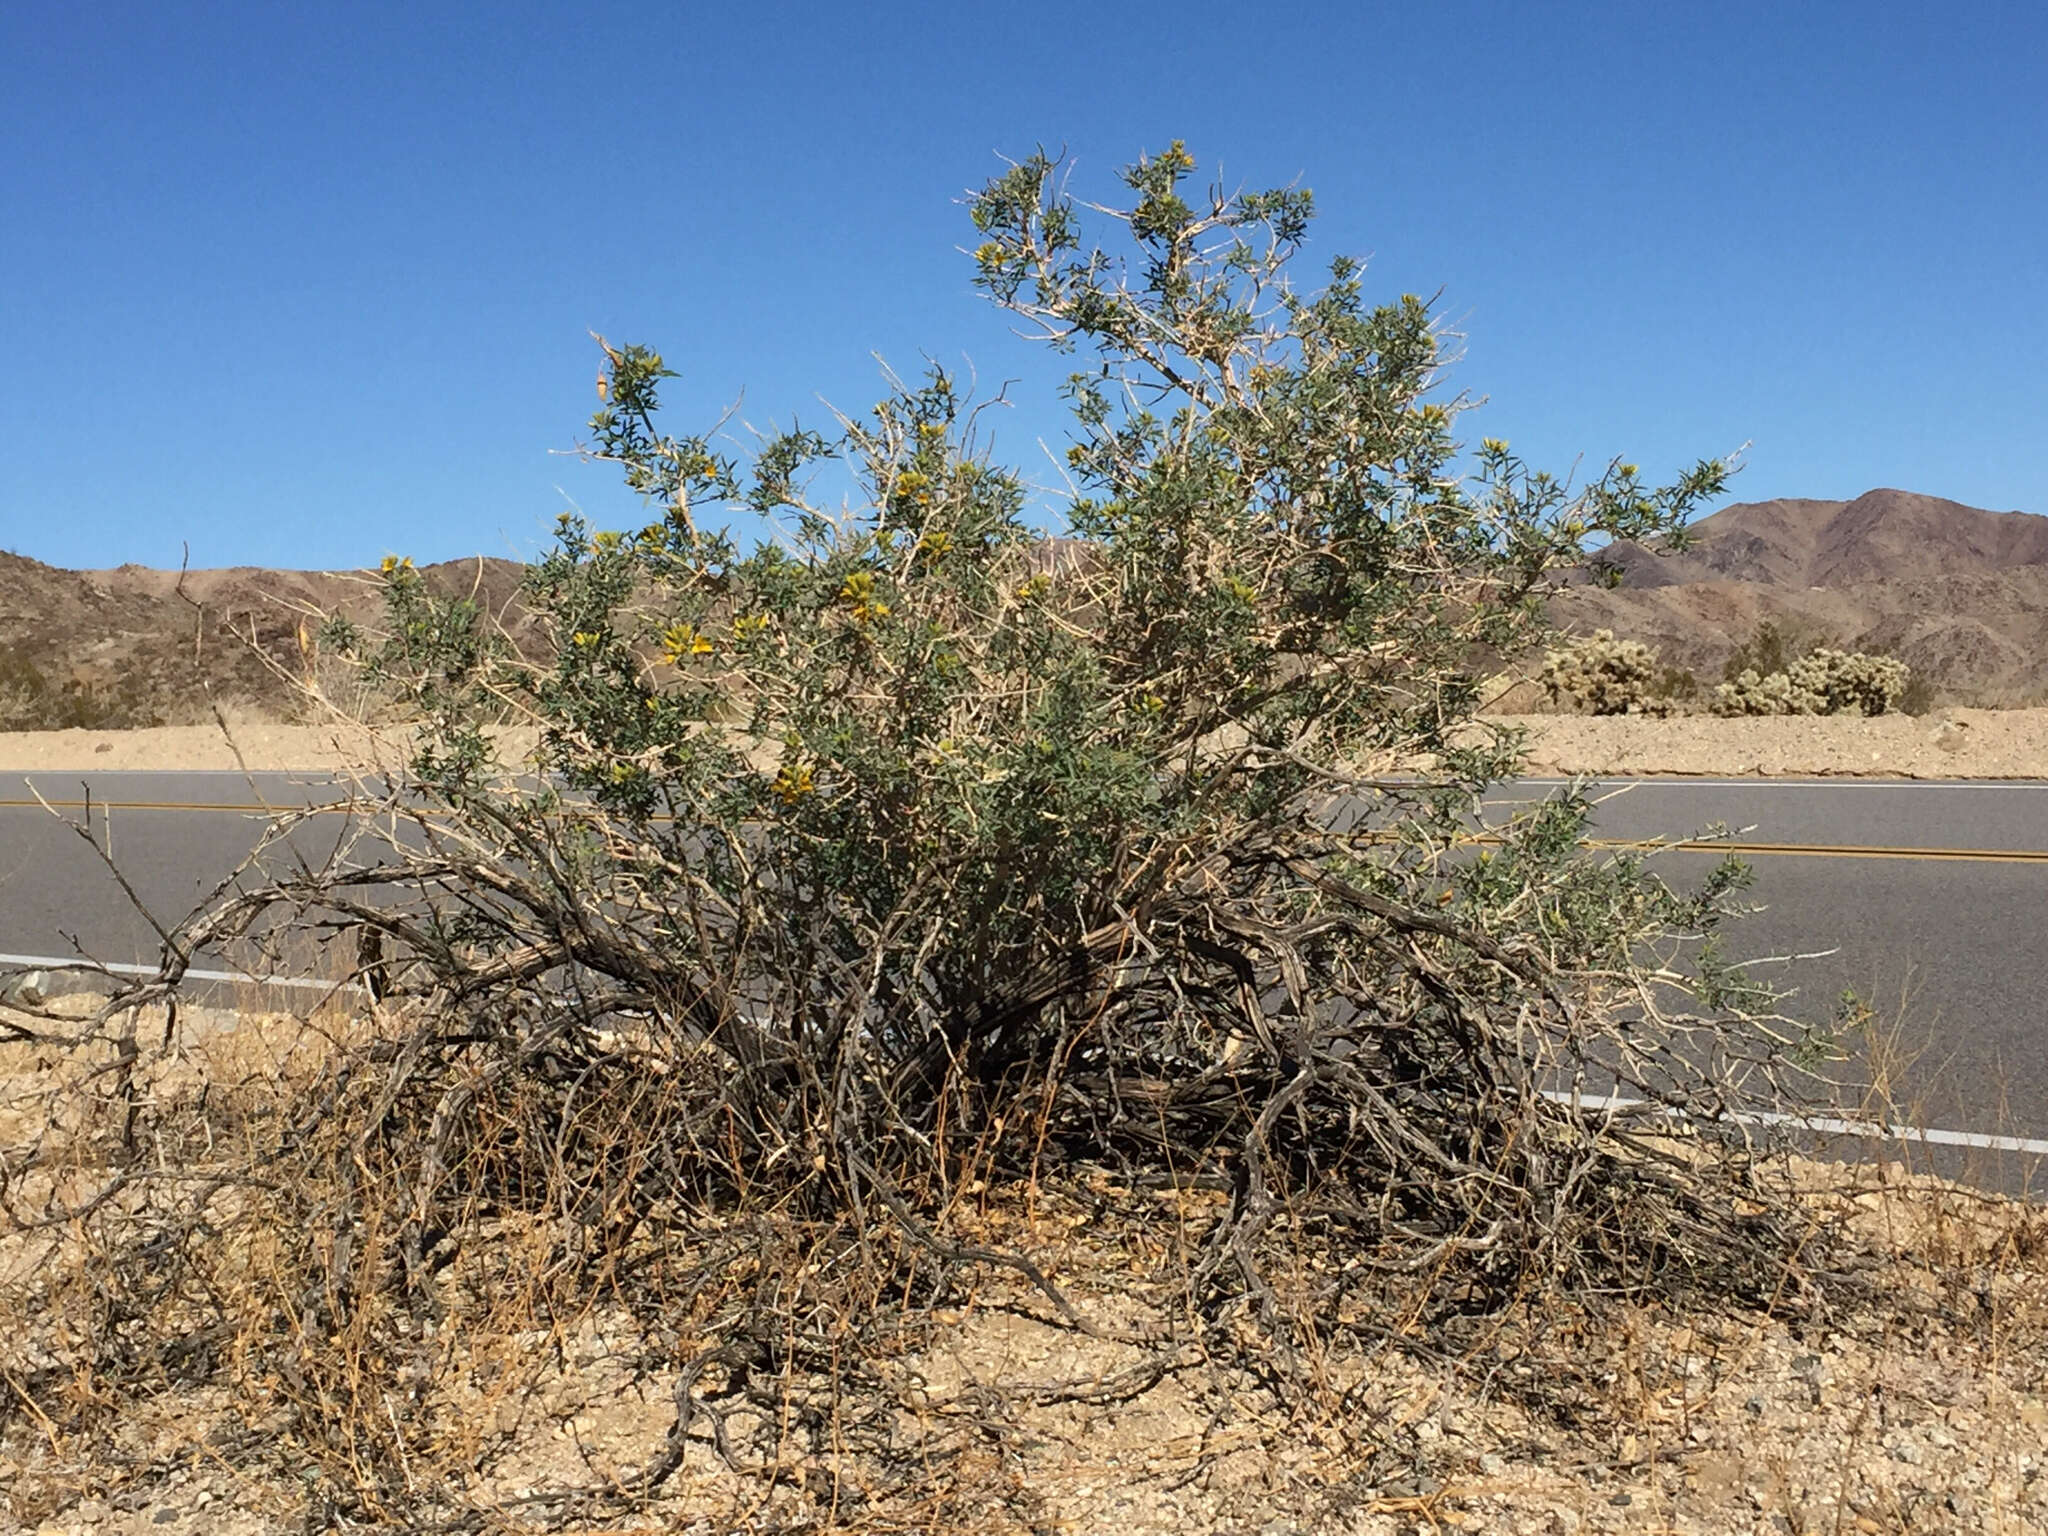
(1839, 851)
(1756, 850)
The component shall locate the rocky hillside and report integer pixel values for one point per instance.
(135, 646)
(1958, 593)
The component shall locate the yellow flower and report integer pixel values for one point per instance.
(393, 564)
(605, 543)
(682, 641)
(585, 639)
(858, 592)
(749, 625)
(935, 543)
(1035, 588)
(793, 783)
(930, 429)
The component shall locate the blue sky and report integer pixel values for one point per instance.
(304, 285)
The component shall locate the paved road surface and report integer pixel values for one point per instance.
(1933, 897)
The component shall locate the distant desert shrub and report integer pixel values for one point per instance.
(1601, 675)
(1822, 682)
(30, 700)
(1786, 669)
(1772, 647)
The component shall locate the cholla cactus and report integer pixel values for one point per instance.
(1822, 682)
(1851, 680)
(1605, 676)
(1757, 693)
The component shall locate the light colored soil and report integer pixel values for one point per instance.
(1953, 744)
(248, 742)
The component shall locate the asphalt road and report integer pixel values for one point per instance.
(1929, 899)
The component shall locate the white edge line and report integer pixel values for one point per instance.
(58, 963)
(1826, 1125)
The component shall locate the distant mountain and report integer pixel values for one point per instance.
(1958, 593)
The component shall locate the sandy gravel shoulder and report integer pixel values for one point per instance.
(253, 744)
(1953, 744)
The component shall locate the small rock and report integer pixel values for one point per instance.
(1622, 1499)
(163, 1516)
(1491, 1465)
(1907, 1452)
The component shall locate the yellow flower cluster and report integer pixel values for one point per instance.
(1032, 590)
(749, 626)
(935, 543)
(858, 593)
(393, 564)
(680, 642)
(793, 783)
(915, 484)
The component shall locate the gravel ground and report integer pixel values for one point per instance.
(1928, 1418)
(1954, 744)
(1923, 1410)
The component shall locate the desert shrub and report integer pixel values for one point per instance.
(1605, 676)
(31, 701)
(1919, 696)
(1771, 647)
(909, 855)
(1822, 682)
(1783, 669)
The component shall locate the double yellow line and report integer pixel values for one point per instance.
(1834, 851)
